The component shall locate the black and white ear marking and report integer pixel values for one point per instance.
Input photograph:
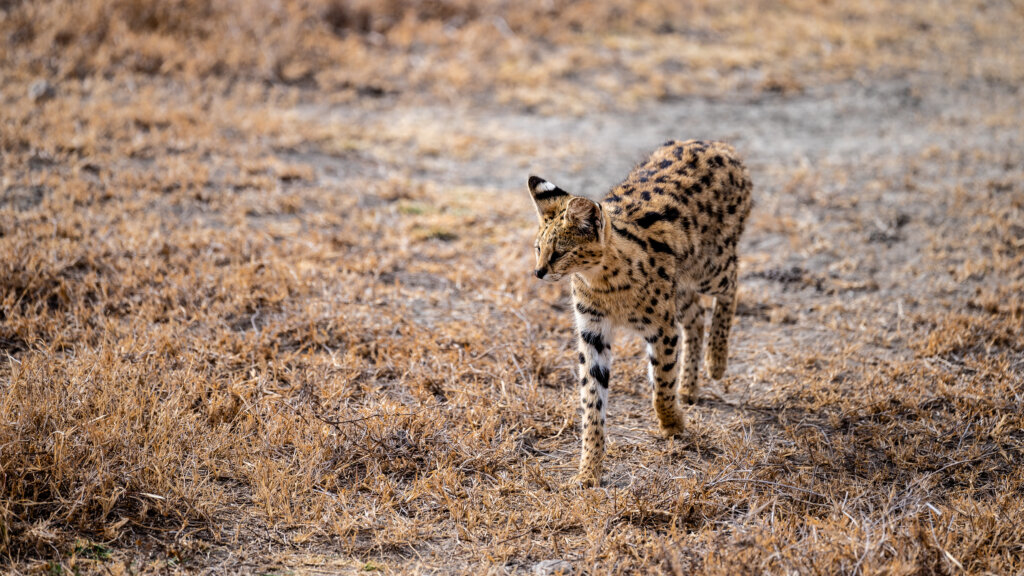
(584, 213)
(546, 196)
(544, 190)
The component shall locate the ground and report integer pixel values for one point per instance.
(268, 304)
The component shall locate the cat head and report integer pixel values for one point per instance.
(572, 232)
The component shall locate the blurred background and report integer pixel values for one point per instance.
(547, 56)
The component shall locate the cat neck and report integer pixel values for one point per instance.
(610, 271)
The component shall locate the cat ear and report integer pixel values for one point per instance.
(583, 213)
(547, 197)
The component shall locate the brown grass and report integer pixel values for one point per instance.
(553, 56)
(242, 334)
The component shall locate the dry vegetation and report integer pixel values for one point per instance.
(263, 310)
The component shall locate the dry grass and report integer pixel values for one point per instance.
(546, 55)
(244, 331)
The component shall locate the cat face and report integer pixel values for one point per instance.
(571, 233)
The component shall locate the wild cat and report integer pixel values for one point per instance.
(639, 260)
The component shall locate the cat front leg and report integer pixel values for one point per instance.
(595, 360)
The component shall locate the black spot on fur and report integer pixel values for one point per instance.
(629, 236)
(583, 309)
(648, 219)
(611, 289)
(668, 367)
(599, 404)
(600, 374)
(660, 247)
(593, 339)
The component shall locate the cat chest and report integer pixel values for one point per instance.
(625, 304)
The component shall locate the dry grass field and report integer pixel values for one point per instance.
(266, 302)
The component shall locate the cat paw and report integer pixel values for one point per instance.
(584, 479)
(716, 364)
(673, 430)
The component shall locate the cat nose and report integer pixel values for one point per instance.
(540, 272)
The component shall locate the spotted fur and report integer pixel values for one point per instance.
(639, 260)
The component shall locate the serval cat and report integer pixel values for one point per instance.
(639, 260)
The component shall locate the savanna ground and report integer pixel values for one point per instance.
(267, 303)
